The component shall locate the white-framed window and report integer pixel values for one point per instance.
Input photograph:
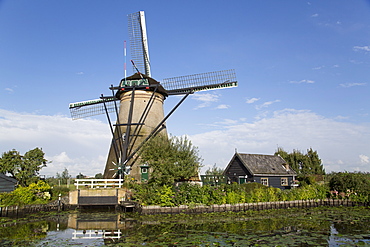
(144, 170)
(284, 181)
(265, 181)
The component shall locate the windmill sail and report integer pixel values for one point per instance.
(139, 42)
(200, 82)
(91, 107)
(141, 115)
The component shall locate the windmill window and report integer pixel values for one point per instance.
(144, 170)
(265, 181)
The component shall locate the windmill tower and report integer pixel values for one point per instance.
(138, 103)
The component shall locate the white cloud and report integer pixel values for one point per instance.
(252, 100)
(82, 145)
(364, 159)
(225, 122)
(318, 67)
(75, 145)
(315, 15)
(80, 73)
(9, 90)
(302, 81)
(266, 104)
(61, 158)
(352, 84)
(206, 98)
(361, 48)
(223, 107)
(339, 117)
(339, 144)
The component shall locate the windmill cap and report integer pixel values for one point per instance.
(137, 77)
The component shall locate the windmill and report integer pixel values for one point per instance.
(138, 103)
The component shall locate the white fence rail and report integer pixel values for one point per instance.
(96, 234)
(99, 183)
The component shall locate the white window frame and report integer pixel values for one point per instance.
(263, 181)
(286, 182)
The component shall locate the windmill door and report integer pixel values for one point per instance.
(144, 173)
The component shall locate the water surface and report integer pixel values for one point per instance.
(345, 226)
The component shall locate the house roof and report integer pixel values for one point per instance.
(4, 177)
(264, 164)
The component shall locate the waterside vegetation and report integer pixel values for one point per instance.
(353, 186)
(343, 185)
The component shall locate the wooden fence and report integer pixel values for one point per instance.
(18, 211)
(249, 206)
(15, 211)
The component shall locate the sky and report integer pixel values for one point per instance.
(302, 69)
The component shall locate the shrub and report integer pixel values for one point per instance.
(56, 190)
(190, 194)
(35, 193)
(353, 185)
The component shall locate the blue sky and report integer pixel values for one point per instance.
(302, 67)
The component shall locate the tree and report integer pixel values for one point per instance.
(80, 176)
(303, 164)
(25, 168)
(64, 176)
(171, 159)
(214, 170)
(98, 175)
(351, 184)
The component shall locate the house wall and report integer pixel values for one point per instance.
(236, 170)
(6, 185)
(275, 181)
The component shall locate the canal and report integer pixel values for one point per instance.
(334, 226)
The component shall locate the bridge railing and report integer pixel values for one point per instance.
(99, 183)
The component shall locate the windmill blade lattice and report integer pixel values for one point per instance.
(91, 107)
(139, 42)
(140, 114)
(200, 82)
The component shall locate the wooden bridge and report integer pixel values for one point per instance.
(101, 193)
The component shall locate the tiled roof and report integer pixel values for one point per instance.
(265, 164)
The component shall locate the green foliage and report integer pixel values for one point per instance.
(170, 160)
(64, 176)
(308, 192)
(214, 170)
(98, 176)
(33, 194)
(190, 194)
(308, 163)
(25, 168)
(306, 179)
(22, 233)
(354, 185)
(164, 195)
(59, 190)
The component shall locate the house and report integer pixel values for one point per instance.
(269, 170)
(7, 184)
